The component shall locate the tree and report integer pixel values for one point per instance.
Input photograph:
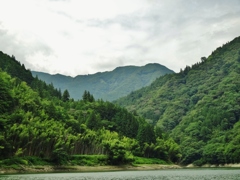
(93, 121)
(146, 134)
(87, 97)
(203, 59)
(91, 98)
(117, 152)
(66, 96)
(5, 96)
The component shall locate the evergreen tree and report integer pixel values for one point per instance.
(85, 96)
(93, 121)
(66, 96)
(146, 134)
(5, 97)
(91, 98)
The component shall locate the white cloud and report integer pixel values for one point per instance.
(80, 37)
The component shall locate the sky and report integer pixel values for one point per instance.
(77, 37)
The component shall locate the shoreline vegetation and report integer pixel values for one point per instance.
(79, 163)
(98, 168)
(105, 168)
(91, 163)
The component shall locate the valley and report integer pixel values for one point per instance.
(190, 117)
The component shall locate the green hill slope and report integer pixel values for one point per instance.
(15, 68)
(35, 124)
(199, 107)
(107, 85)
(18, 71)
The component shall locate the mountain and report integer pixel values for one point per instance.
(38, 123)
(107, 85)
(199, 107)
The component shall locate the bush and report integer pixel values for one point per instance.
(26, 161)
(59, 156)
(33, 160)
(88, 160)
(142, 160)
(117, 153)
(199, 162)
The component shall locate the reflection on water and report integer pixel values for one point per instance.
(182, 174)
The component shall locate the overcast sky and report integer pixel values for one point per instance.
(75, 37)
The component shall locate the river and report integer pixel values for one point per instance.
(177, 174)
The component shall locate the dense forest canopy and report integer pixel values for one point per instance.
(199, 107)
(38, 120)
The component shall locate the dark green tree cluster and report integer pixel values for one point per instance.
(45, 90)
(5, 96)
(105, 115)
(15, 68)
(66, 96)
(18, 71)
(88, 97)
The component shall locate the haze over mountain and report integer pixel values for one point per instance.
(107, 85)
(199, 107)
(85, 37)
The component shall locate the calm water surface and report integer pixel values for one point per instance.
(181, 174)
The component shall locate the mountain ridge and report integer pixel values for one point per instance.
(108, 85)
(199, 106)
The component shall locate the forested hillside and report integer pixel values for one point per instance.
(107, 85)
(199, 107)
(35, 123)
(20, 73)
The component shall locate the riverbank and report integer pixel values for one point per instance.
(214, 166)
(105, 168)
(173, 174)
(49, 169)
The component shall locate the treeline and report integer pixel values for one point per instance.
(17, 70)
(199, 107)
(34, 122)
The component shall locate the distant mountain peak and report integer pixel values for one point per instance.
(108, 85)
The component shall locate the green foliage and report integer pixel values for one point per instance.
(117, 152)
(59, 156)
(88, 160)
(198, 107)
(142, 160)
(88, 97)
(14, 160)
(14, 68)
(65, 96)
(18, 71)
(197, 113)
(19, 162)
(36, 121)
(146, 134)
(5, 95)
(93, 121)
